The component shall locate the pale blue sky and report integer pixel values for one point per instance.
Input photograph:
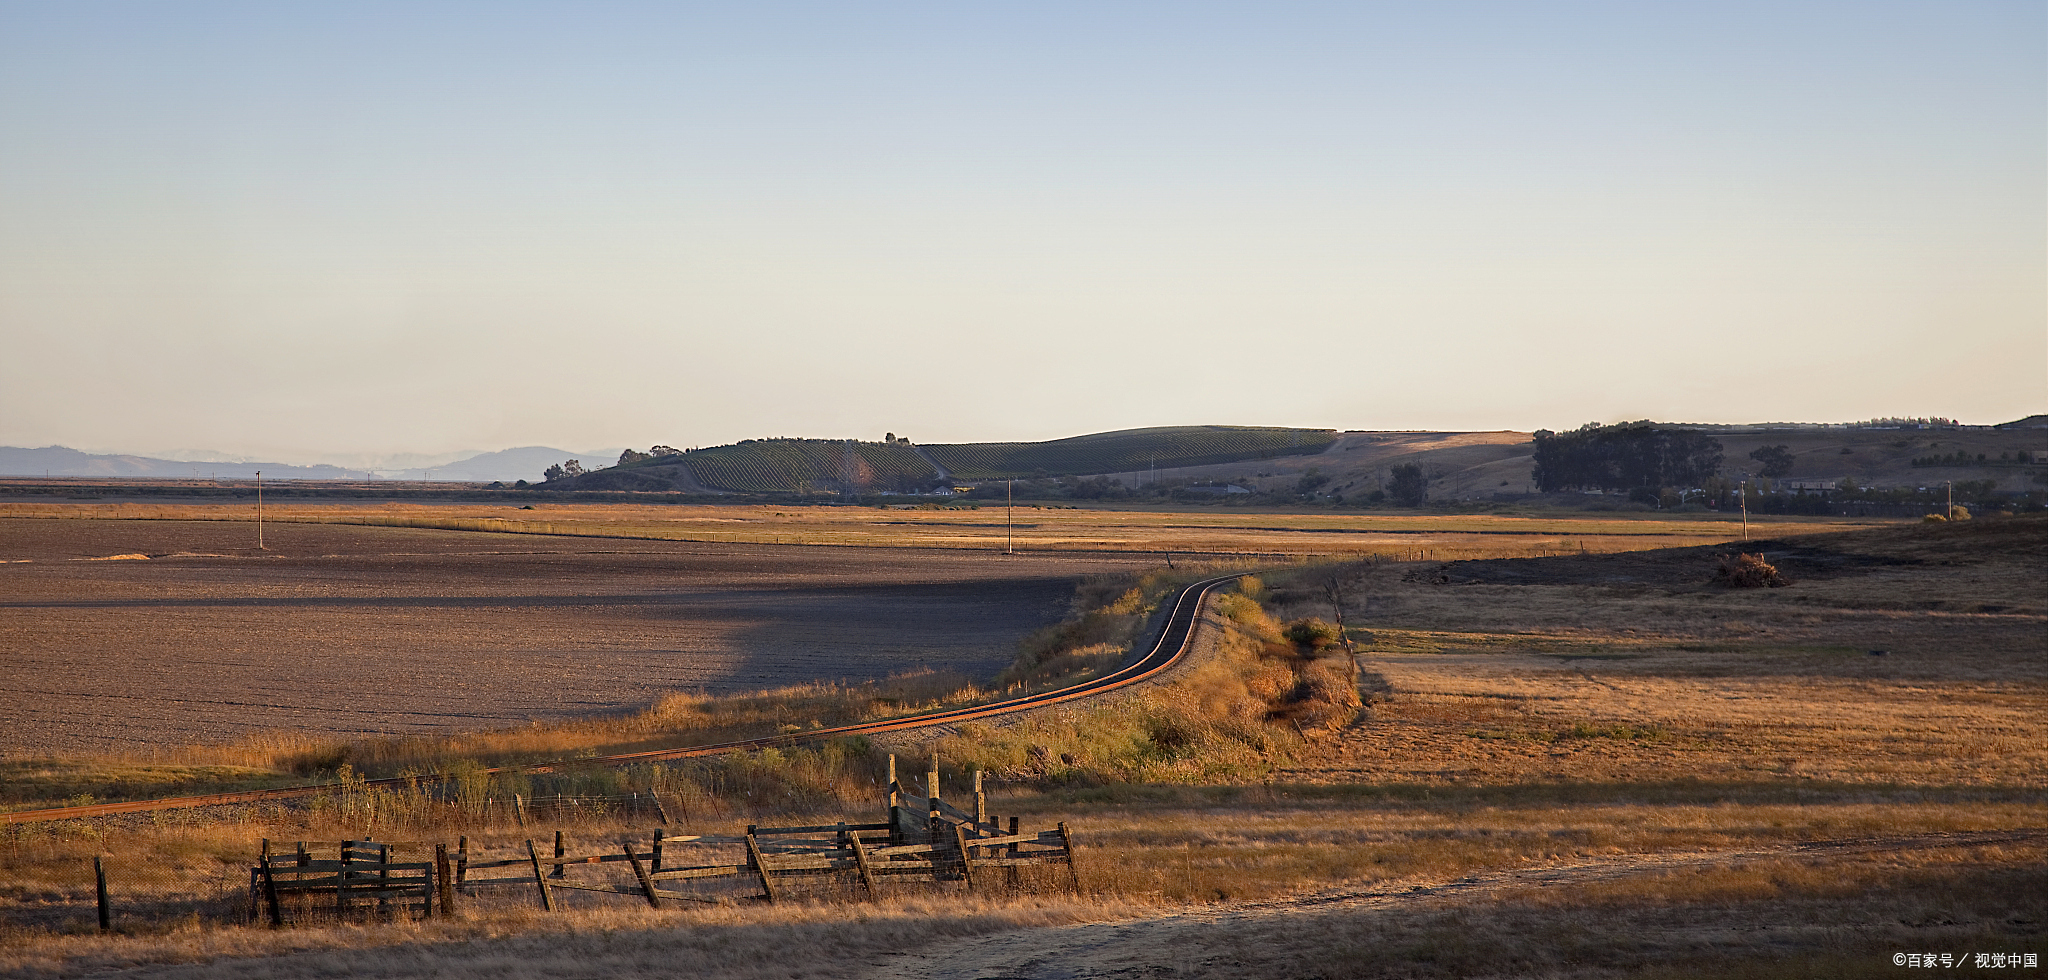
(305, 228)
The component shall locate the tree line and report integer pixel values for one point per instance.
(1626, 456)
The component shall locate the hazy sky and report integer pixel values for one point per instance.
(306, 227)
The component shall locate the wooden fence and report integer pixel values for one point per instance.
(925, 838)
(361, 879)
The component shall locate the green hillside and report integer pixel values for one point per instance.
(1127, 450)
(843, 465)
(781, 465)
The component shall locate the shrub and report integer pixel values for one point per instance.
(1745, 571)
(1311, 634)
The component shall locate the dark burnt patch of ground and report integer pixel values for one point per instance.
(2021, 542)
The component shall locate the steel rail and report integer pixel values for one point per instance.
(1176, 636)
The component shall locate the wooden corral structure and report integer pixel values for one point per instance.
(924, 838)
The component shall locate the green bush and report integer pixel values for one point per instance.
(1312, 634)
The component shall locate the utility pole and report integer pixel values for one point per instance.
(1950, 512)
(1743, 491)
(1009, 520)
(259, 512)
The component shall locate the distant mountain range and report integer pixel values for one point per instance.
(523, 463)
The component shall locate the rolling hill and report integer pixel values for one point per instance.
(841, 465)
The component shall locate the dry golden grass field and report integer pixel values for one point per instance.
(1567, 765)
(1036, 528)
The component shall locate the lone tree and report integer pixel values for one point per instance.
(1776, 460)
(1408, 488)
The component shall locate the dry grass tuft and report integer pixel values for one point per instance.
(1746, 571)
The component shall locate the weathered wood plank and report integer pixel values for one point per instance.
(1019, 862)
(715, 871)
(547, 898)
(607, 889)
(953, 813)
(860, 861)
(640, 872)
(754, 858)
(783, 863)
(522, 881)
(823, 828)
(285, 865)
(966, 861)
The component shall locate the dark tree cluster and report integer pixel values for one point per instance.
(1624, 457)
(1775, 461)
(1408, 487)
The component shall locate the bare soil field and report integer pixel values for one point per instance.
(348, 630)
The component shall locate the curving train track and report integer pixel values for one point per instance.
(1176, 635)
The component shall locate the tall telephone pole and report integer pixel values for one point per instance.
(259, 512)
(1009, 521)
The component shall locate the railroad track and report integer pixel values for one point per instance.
(1176, 635)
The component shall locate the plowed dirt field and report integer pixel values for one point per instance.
(350, 630)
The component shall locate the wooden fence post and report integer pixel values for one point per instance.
(760, 866)
(559, 852)
(932, 819)
(966, 862)
(256, 882)
(980, 803)
(445, 880)
(348, 852)
(860, 860)
(99, 875)
(895, 803)
(1068, 840)
(519, 810)
(462, 861)
(657, 851)
(384, 878)
(646, 883)
(1012, 877)
(266, 890)
(547, 897)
